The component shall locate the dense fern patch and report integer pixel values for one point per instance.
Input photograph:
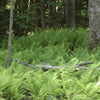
(59, 48)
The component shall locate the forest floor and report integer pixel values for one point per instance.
(64, 50)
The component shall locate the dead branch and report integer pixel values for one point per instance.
(21, 62)
(41, 66)
(83, 67)
(81, 64)
(47, 66)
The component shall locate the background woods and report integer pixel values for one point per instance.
(31, 15)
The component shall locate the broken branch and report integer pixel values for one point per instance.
(41, 66)
(81, 64)
(47, 66)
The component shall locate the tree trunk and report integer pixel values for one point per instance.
(10, 33)
(42, 14)
(94, 23)
(69, 6)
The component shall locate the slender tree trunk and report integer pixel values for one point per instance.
(10, 34)
(42, 15)
(69, 6)
(94, 23)
(28, 5)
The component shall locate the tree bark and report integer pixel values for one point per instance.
(94, 23)
(69, 9)
(10, 33)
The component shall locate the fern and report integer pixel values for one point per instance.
(58, 48)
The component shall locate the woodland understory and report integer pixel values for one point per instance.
(63, 76)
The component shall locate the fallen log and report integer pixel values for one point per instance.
(40, 66)
(47, 66)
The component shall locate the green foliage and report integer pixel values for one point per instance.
(19, 82)
(53, 47)
(4, 23)
(59, 48)
(81, 13)
(27, 15)
(24, 22)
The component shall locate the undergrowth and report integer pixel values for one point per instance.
(59, 48)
